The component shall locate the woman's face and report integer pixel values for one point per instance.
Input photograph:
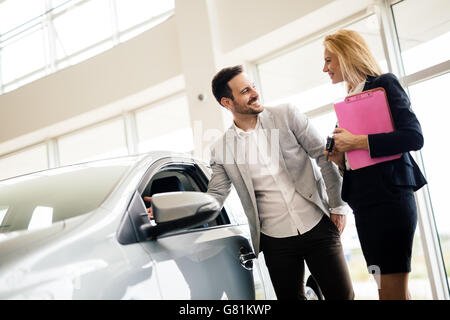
(331, 66)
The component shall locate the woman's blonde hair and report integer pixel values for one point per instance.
(354, 56)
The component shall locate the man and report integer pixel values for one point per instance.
(266, 155)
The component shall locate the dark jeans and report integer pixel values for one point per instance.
(321, 249)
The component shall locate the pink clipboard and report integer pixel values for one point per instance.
(367, 112)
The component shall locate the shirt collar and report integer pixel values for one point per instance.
(359, 88)
(242, 133)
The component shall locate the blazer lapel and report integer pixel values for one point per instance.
(273, 138)
(238, 150)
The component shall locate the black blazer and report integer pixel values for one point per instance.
(366, 185)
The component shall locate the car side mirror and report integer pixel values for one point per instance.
(180, 210)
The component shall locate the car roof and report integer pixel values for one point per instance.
(138, 159)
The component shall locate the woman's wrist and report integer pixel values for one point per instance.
(361, 142)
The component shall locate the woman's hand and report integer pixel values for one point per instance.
(345, 141)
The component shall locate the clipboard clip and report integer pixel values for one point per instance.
(357, 97)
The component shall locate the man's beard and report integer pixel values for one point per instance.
(246, 109)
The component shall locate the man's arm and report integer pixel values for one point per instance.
(314, 145)
(220, 184)
(219, 187)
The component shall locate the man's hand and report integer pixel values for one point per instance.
(337, 157)
(339, 220)
(149, 210)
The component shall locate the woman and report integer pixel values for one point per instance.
(382, 195)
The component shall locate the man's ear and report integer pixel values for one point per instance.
(226, 102)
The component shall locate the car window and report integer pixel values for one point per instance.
(42, 198)
(182, 178)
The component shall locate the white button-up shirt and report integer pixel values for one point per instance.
(283, 212)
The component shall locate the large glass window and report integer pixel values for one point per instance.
(22, 42)
(105, 140)
(24, 161)
(14, 13)
(297, 76)
(58, 3)
(426, 42)
(165, 126)
(36, 36)
(73, 36)
(429, 101)
(134, 19)
(23, 55)
(139, 11)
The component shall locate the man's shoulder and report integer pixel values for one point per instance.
(279, 107)
(280, 110)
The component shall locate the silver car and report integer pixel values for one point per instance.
(82, 232)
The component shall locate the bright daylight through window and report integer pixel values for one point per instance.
(52, 32)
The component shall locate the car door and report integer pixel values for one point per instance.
(205, 262)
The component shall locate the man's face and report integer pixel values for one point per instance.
(246, 99)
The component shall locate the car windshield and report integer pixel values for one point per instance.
(39, 199)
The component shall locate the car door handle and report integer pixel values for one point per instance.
(246, 260)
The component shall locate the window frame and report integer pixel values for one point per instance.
(429, 233)
(165, 164)
(52, 63)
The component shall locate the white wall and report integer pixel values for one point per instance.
(239, 22)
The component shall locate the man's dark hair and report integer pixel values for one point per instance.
(219, 83)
